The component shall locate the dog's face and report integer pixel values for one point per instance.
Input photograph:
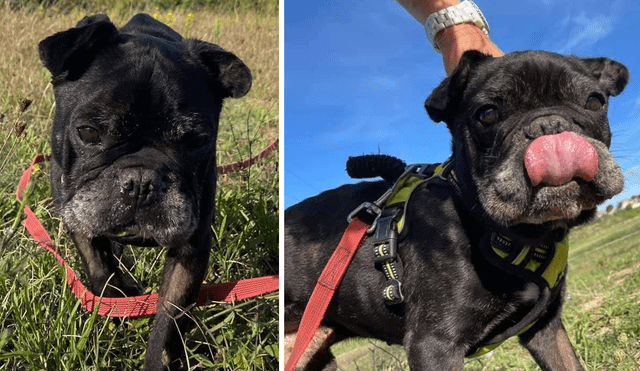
(135, 127)
(533, 128)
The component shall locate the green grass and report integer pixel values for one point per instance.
(601, 313)
(42, 326)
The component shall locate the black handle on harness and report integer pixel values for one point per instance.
(385, 245)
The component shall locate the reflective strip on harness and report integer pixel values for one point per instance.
(556, 269)
(402, 191)
(404, 188)
(491, 347)
(541, 265)
(554, 266)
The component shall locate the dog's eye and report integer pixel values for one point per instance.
(89, 135)
(194, 141)
(488, 115)
(594, 103)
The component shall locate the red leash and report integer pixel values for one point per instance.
(241, 165)
(328, 282)
(144, 305)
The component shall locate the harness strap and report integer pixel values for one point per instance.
(328, 282)
(385, 244)
(544, 265)
(523, 325)
(391, 225)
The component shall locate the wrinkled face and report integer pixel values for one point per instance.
(133, 139)
(137, 150)
(533, 127)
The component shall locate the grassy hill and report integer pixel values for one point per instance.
(41, 325)
(601, 314)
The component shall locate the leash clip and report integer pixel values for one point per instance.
(365, 212)
(373, 209)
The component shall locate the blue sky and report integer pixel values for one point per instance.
(356, 74)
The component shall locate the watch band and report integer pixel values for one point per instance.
(465, 12)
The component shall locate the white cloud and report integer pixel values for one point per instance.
(381, 83)
(362, 127)
(585, 31)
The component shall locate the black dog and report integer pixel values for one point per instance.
(134, 158)
(530, 160)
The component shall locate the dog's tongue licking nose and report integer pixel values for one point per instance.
(556, 159)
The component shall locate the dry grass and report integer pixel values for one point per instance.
(238, 336)
(253, 38)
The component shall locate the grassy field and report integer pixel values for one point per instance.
(41, 325)
(602, 310)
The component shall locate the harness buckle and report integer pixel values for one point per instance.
(417, 169)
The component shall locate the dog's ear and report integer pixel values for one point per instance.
(68, 54)
(443, 102)
(91, 19)
(613, 75)
(229, 75)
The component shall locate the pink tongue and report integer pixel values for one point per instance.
(556, 159)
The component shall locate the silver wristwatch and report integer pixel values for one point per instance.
(465, 12)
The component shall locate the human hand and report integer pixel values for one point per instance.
(455, 40)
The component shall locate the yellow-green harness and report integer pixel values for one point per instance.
(544, 264)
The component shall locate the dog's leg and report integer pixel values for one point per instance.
(104, 275)
(551, 348)
(317, 356)
(429, 353)
(182, 278)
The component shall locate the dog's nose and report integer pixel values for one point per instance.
(139, 187)
(547, 125)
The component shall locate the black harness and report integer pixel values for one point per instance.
(544, 264)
